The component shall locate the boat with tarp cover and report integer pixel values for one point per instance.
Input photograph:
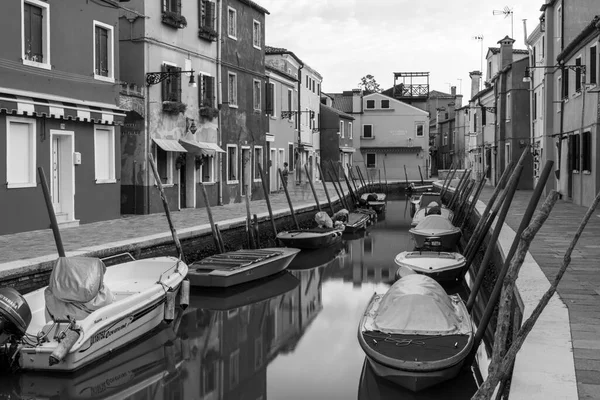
(439, 265)
(87, 311)
(240, 266)
(374, 201)
(313, 238)
(440, 232)
(416, 335)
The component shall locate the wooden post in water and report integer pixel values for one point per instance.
(421, 175)
(334, 173)
(406, 177)
(471, 206)
(218, 245)
(325, 189)
(458, 189)
(166, 207)
(353, 197)
(256, 232)
(340, 196)
(352, 177)
(385, 175)
(446, 178)
(312, 187)
(249, 229)
(463, 202)
(361, 178)
(53, 222)
(445, 188)
(287, 196)
(266, 191)
(220, 238)
(380, 188)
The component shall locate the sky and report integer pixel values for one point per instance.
(345, 40)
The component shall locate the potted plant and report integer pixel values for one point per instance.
(174, 19)
(208, 33)
(209, 112)
(174, 107)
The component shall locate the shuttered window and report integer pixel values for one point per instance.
(270, 99)
(207, 91)
(101, 51)
(575, 155)
(232, 89)
(171, 6)
(256, 95)
(586, 158)
(291, 157)
(171, 87)
(593, 65)
(207, 14)
(34, 40)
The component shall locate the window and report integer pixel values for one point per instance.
(171, 87)
(593, 65)
(385, 104)
(104, 154)
(586, 156)
(103, 52)
(289, 103)
(256, 34)
(319, 89)
(258, 353)
(508, 107)
(206, 90)
(341, 129)
(535, 96)
(565, 79)
(256, 95)
(420, 130)
(368, 131)
(371, 160)
(313, 86)
(270, 93)
(20, 152)
(172, 6)
(232, 165)
(307, 81)
(543, 47)
(370, 103)
(232, 89)
(558, 24)
(35, 34)
(258, 159)
(232, 23)
(445, 139)
(165, 164)
(574, 142)
(350, 133)
(507, 154)
(291, 157)
(207, 14)
(234, 369)
(206, 171)
(578, 75)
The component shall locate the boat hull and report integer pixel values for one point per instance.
(447, 240)
(356, 222)
(450, 275)
(258, 270)
(310, 239)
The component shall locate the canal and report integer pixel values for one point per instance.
(291, 336)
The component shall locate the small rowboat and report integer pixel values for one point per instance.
(375, 201)
(241, 266)
(419, 188)
(356, 221)
(441, 266)
(439, 230)
(314, 238)
(88, 311)
(416, 335)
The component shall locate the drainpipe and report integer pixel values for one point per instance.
(298, 119)
(219, 97)
(148, 142)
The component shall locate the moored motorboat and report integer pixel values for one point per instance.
(313, 238)
(416, 335)
(441, 266)
(413, 187)
(442, 234)
(432, 208)
(374, 201)
(87, 311)
(356, 221)
(241, 266)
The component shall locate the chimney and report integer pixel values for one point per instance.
(356, 100)
(475, 80)
(506, 51)
(453, 91)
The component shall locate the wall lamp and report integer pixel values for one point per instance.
(574, 67)
(152, 78)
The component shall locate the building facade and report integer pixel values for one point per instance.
(309, 145)
(58, 111)
(337, 145)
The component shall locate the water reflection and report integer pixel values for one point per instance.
(290, 336)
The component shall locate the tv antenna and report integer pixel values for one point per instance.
(480, 39)
(507, 11)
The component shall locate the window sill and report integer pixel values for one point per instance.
(37, 64)
(367, 138)
(103, 181)
(587, 172)
(576, 94)
(168, 185)
(379, 109)
(20, 185)
(256, 181)
(233, 105)
(420, 136)
(233, 182)
(207, 183)
(575, 171)
(104, 78)
(256, 47)
(232, 37)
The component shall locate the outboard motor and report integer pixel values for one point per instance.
(15, 315)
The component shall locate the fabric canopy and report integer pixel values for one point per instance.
(435, 222)
(201, 148)
(417, 304)
(170, 145)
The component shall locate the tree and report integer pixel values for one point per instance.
(369, 84)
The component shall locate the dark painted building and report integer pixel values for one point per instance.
(446, 143)
(58, 111)
(244, 120)
(337, 132)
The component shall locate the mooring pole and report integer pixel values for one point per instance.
(445, 188)
(325, 189)
(406, 177)
(352, 177)
(458, 189)
(218, 245)
(352, 195)
(266, 191)
(385, 175)
(421, 175)
(312, 187)
(334, 172)
(249, 228)
(446, 179)
(287, 196)
(380, 188)
(53, 222)
(472, 204)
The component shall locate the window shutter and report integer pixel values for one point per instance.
(178, 9)
(593, 70)
(269, 99)
(201, 12)
(209, 15)
(201, 90)
(164, 85)
(164, 5)
(97, 47)
(36, 14)
(177, 84)
(210, 91)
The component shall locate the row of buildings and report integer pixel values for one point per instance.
(190, 85)
(545, 96)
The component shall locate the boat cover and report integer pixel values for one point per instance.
(76, 288)
(435, 223)
(417, 304)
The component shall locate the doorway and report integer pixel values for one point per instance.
(62, 175)
(182, 167)
(273, 174)
(246, 171)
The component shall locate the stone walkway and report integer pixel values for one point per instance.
(579, 288)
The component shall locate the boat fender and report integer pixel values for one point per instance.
(184, 294)
(170, 307)
(64, 347)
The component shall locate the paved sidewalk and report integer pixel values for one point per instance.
(579, 288)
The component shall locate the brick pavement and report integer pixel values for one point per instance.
(579, 289)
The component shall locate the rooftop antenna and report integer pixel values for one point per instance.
(480, 39)
(506, 12)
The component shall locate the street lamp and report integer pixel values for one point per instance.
(152, 78)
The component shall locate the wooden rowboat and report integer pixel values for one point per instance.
(314, 238)
(356, 221)
(241, 266)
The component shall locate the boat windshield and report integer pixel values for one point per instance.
(417, 304)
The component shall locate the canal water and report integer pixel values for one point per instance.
(291, 336)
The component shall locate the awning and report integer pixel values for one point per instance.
(39, 106)
(347, 149)
(202, 148)
(170, 145)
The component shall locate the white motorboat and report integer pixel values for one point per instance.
(432, 208)
(441, 266)
(435, 232)
(87, 311)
